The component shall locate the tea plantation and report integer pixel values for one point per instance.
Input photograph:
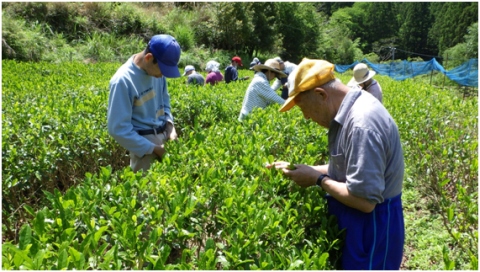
(70, 201)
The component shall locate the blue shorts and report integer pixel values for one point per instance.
(373, 240)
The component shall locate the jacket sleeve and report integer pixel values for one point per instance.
(268, 94)
(119, 120)
(166, 102)
(277, 84)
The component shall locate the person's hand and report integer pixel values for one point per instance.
(278, 165)
(246, 77)
(303, 175)
(170, 131)
(159, 150)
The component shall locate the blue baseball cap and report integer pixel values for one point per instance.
(166, 51)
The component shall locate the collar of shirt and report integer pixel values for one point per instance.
(260, 74)
(371, 84)
(347, 104)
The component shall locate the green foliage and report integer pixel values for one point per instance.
(184, 36)
(461, 52)
(330, 7)
(339, 47)
(451, 23)
(334, 31)
(372, 57)
(263, 34)
(415, 21)
(95, 31)
(299, 28)
(455, 56)
(350, 19)
(471, 39)
(381, 25)
(127, 20)
(440, 143)
(211, 203)
(22, 41)
(108, 47)
(41, 142)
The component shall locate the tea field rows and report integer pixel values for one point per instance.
(70, 201)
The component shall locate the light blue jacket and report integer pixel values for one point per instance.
(137, 101)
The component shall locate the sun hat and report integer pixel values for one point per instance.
(271, 65)
(309, 74)
(166, 51)
(238, 60)
(280, 61)
(188, 68)
(361, 73)
(212, 66)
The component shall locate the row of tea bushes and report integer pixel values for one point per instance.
(70, 202)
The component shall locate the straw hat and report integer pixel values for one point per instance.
(361, 73)
(309, 74)
(271, 65)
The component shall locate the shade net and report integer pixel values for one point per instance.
(465, 74)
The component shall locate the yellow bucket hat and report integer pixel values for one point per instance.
(309, 74)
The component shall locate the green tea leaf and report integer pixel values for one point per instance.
(38, 260)
(62, 262)
(99, 232)
(39, 223)
(25, 236)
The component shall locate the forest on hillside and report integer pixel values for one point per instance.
(340, 32)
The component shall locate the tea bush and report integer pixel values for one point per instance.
(69, 200)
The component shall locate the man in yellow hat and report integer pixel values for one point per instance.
(364, 176)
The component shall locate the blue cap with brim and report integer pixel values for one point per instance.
(166, 51)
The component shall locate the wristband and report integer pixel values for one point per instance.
(320, 178)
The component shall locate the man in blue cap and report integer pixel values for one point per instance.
(139, 116)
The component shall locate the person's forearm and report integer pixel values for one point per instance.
(323, 169)
(339, 191)
(277, 84)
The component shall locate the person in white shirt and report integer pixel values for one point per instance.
(259, 94)
(363, 77)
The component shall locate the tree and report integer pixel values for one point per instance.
(416, 21)
(381, 27)
(341, 44)
(471, 39)
(239, 27)
(451, 20)
(328, 8)
(299, 30)
(262, 37)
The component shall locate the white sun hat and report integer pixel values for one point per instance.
(361, 73)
